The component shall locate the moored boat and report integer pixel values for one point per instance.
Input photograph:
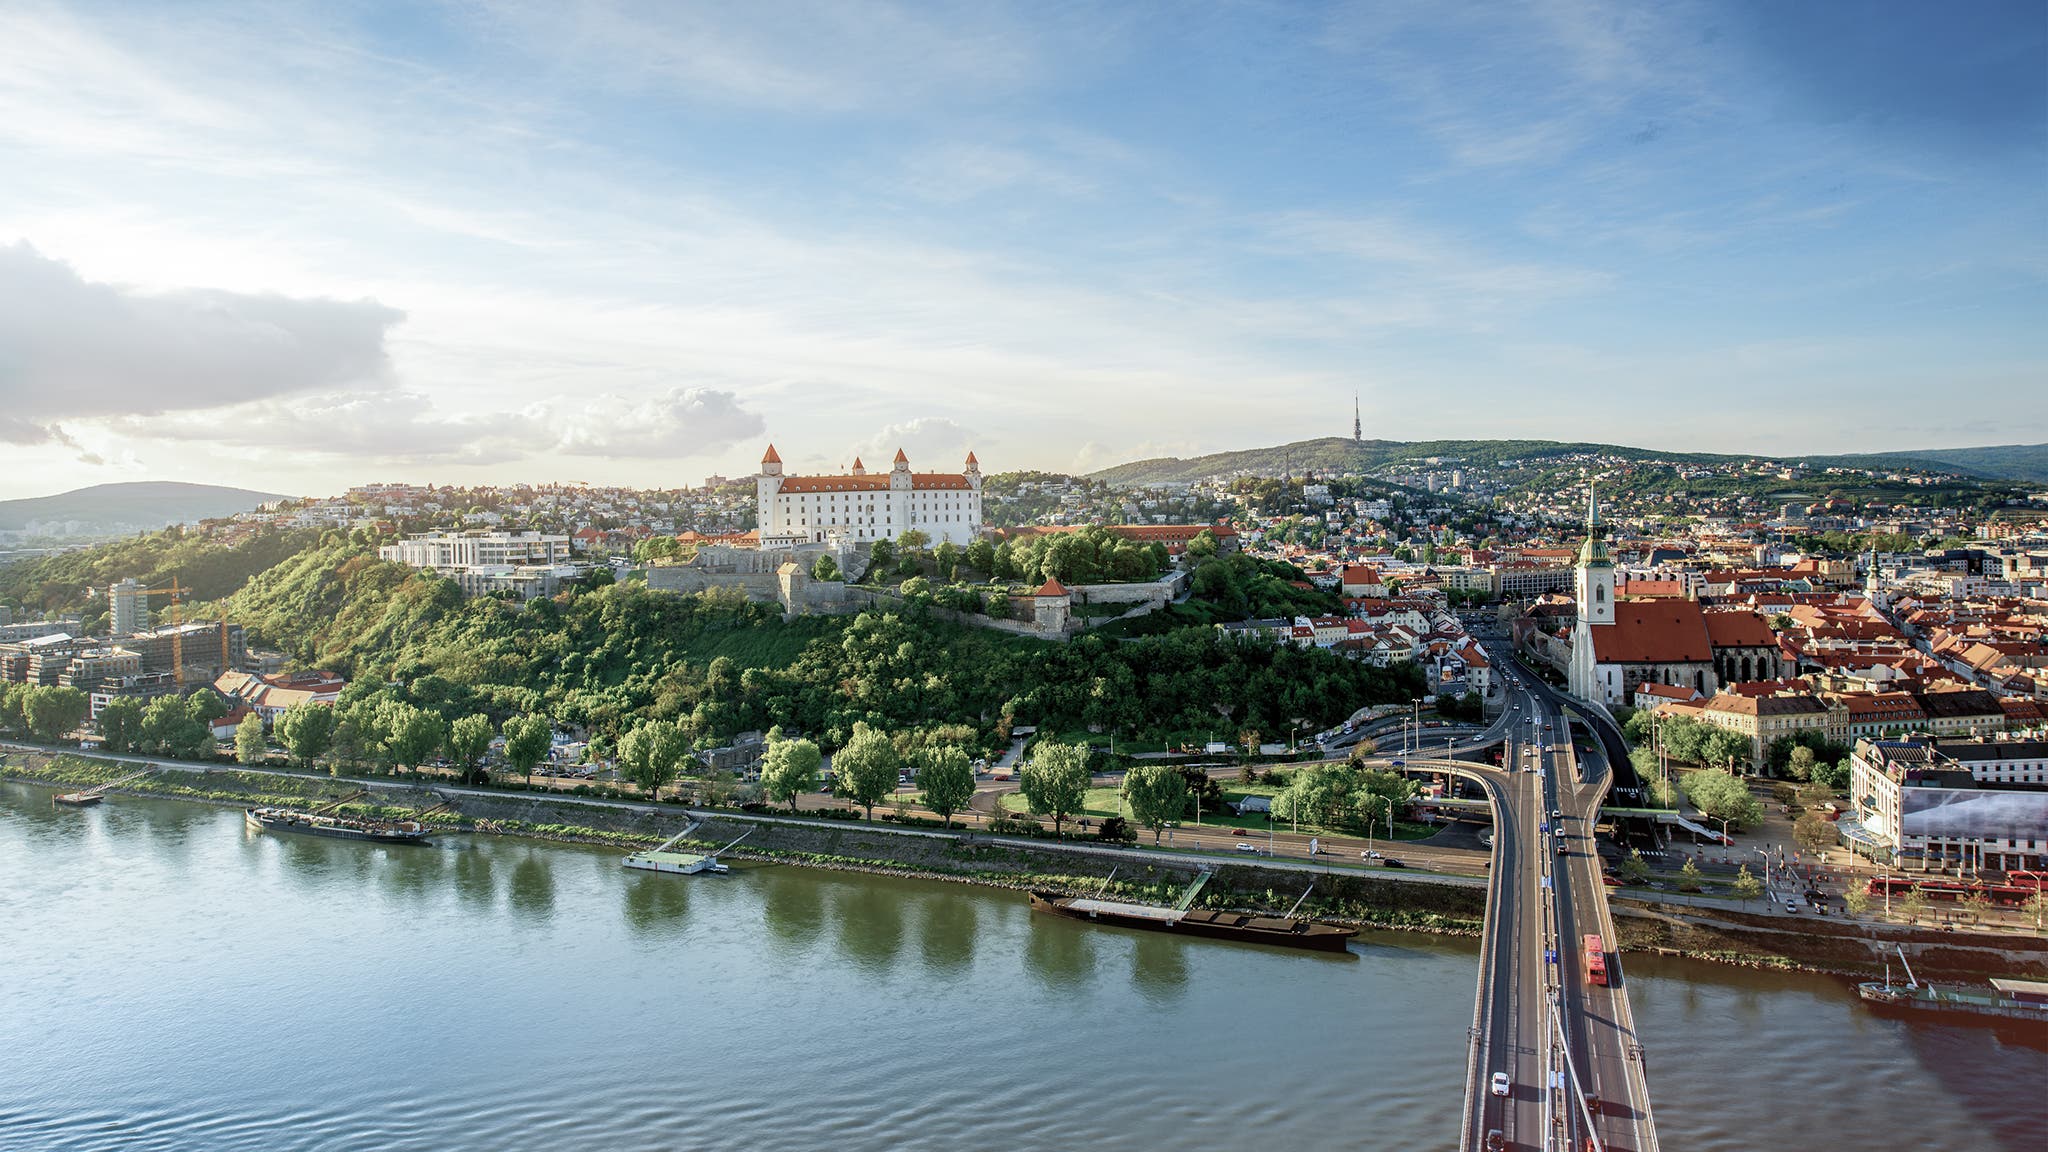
(340, 827)
(1209, 924)
(78, 799)
(663, 858)
(2007, 998)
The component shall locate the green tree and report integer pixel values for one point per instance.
(1745, 886)
(913, 540)
(169, 729)
(205, 705)
(1157, 794)
(866, 769)
(120, 723)
(946, 778)
(826, 568)
(1721, 796)
(1689, 877)
(651, 754)
(1799, 762)
(468, 739)
(13, 698)
(1856, 900)
(1914, 904)
(789, 769)
(1634, 868)
(527, 740)
(52, 711)
(411, 735)
(1203, 546)
(1054, 780)
(981, 556)
(250, 744)
(306, 731)
(1813, 832)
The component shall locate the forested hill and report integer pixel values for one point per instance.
(112, 509)
(2025, 463)
(75, 581)
(1338, 454)
(609, 656)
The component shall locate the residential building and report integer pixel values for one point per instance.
(446, 552)
(127, 608)
(1766, 719)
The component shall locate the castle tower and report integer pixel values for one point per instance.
(1595, 579)
(973, 472)
(899, 475)
(767, 485)
(859, 469)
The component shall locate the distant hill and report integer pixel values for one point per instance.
(114, 509)
(2023, 463)
(1337, 454)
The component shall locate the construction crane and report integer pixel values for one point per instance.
(177, 595)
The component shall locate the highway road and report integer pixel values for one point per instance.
(1568, 1047)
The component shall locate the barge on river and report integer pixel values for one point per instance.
(324, 821)
(1284, 931)
(2006, 999)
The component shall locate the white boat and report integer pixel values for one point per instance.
(663, 859)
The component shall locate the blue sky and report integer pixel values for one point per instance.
(300, 247)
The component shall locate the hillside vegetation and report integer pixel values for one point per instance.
(608, 657)
(62, 582)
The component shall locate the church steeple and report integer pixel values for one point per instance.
(1595, 578)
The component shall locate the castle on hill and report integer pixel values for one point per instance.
(861, 508)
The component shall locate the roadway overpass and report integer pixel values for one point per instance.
(1569, 1048)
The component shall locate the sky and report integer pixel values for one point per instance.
(295, 247)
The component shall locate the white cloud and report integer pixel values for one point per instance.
(678, 422)
(71, 349)
(407, 427)
(933, 444)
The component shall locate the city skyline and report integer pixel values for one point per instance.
(301, 249)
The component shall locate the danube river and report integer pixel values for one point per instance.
(170, 980)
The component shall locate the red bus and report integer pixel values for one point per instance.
(2005, 895)
(1596, 962)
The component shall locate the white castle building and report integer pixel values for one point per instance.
(860, 508)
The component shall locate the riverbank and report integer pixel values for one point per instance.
(1441, 905)
(1403, 901)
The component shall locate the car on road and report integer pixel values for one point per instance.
(1252, 848)
(1237, 832)
(1556, 815)
(1791, 907)
(1390, 862)
(1500, 1083)
(1561, 848)
(1369, 856)
(1495, 1142)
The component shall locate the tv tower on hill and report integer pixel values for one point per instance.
(1357, 425)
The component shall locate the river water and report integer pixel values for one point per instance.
(170, 980)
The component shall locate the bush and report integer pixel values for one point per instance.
(1116, 830)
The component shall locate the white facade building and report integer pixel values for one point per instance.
(447, 551)
(861, 508)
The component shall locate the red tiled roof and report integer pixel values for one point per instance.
(1051, 587)
(1739, 630)
(1659, 631)
(769, 457)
